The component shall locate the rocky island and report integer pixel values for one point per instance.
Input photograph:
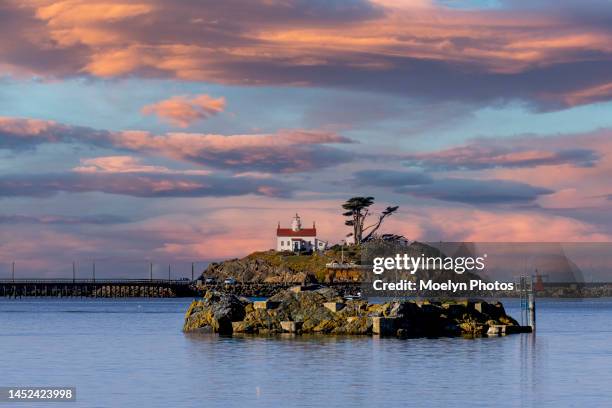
(321, 310)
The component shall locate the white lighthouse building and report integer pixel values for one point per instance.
(298, 239)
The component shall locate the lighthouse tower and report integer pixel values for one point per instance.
(296, 224)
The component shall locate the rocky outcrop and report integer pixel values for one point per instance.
(266, 267)
(216, 311)
(322, 310)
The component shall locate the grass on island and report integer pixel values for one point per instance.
(308, 263)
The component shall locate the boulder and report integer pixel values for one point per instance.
(242, 327)
(291, 327)
(334, 306)
(358, 325)
(384, 326)
(217, 310)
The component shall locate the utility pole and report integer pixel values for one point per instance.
(94, 271)
(168, 271)
(73, 271)
(192, 270)
(151, 271)
(13, 271)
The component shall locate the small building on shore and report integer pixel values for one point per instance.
(298, 239)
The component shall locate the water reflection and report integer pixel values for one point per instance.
(112, 349)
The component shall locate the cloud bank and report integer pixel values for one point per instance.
(139, 185)
(551, 55)
(287, 151)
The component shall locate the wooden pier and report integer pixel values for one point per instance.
(105, 288)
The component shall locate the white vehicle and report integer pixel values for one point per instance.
(230, 281)
(353, 297)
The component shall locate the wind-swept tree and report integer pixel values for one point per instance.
(387, 212)
(357, 211)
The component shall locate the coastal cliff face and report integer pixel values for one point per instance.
(323, 311)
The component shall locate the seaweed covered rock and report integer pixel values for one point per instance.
(216, 311)
(321, 310)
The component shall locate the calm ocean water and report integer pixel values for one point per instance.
(132, 353)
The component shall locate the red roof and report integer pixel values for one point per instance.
(288, 232)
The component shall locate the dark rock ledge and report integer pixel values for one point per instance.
(322, 311)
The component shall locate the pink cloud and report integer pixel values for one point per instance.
(583, 96)
(44, 251)
(527, 151)
(575, 186)
(418, 49)
(575, 168)
(510, 226)
(23, 130)
(127, 164)
(286, 151)
(139, 184)
(25, 127)
(183, 110)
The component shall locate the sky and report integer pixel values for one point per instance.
(178, 132)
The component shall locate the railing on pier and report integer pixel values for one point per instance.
(98, 281)
(96, 287)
